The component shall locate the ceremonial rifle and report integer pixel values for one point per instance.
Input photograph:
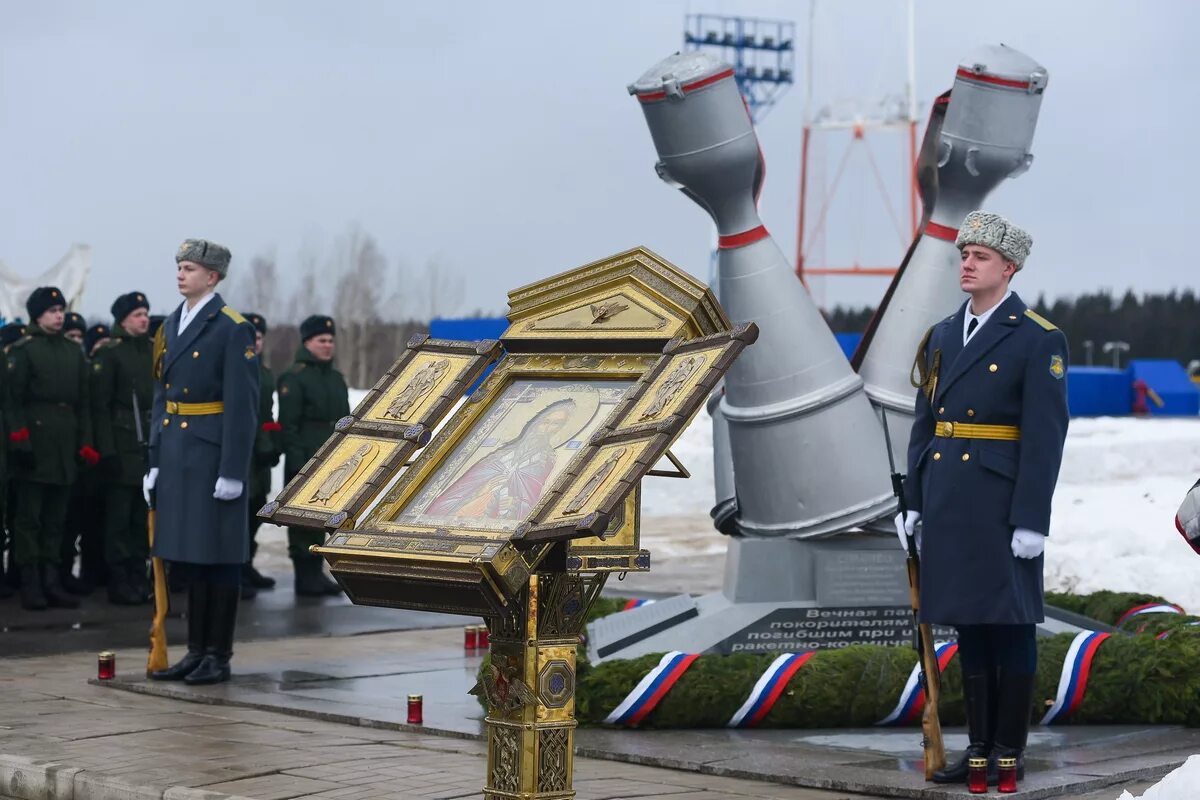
(931, 724)
(157, 658)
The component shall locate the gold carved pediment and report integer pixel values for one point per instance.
(634, 296)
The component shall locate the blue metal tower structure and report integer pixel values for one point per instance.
(762, 52)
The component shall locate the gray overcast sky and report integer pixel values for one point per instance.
(499, 139)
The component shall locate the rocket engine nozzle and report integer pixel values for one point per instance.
(807, 456)
(984, 137)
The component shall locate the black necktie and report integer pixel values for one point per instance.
(971, 326)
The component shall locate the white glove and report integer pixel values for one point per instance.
(905, 528)
(227, 489)
(1027, 543)
(148, 481)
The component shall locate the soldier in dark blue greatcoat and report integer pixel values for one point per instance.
(202, 428)
(983, 459)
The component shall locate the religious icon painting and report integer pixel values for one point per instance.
(498, 473)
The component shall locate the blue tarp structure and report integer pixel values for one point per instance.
(1170, 381)
(849, 342)
(1098, 391)
(469, 330)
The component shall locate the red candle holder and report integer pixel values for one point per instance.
(415, 709)
(483, 637)
(106, 666)
(1007, 775)
(470, 638)
(977, 776)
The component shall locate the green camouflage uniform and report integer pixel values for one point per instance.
(312, 397)
(122, 369)
(48, 397)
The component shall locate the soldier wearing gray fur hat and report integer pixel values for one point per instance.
(202, 427)
(983, 460)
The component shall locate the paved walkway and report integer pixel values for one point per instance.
(63, 739)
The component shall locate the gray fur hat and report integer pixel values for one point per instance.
(205, 253)
(994, 231)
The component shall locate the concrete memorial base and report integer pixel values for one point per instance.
(786, 595)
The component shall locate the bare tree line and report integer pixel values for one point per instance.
(377, 307)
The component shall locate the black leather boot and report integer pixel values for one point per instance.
(121, 590)
(311, 580)
(197, 616)
(256, 578)
(977, 690)
(71, 584)
(56, 595)
(32, 596)
(218, 648)
(1013, 707)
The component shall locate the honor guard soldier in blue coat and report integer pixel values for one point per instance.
(202, 427)
(983, 459)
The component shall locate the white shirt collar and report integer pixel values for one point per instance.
(187, 315)
(983, 318)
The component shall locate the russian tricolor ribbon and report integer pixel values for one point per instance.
(634, 602)
(768, 689)
(1167, 632)
(651, 689)
(1072, 683)
(912, 699)
(1149, 608)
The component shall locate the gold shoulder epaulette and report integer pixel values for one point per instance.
(297, 367)
(24, 340)
(111, 343)
(233, 315)
(1040, 320)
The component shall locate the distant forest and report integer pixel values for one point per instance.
(1154, 325)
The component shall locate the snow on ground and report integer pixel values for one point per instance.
(1113, 518)
(1178, 785)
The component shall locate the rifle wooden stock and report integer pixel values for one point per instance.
(157, 658)
(931, 723)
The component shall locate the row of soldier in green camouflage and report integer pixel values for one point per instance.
(63, 412)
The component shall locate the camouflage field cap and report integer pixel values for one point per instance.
(205, 253)
(994, 231)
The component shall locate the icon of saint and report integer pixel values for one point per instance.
(339, 475)
(593, 483)
(418, 386)
(671, 385)
(508, 482)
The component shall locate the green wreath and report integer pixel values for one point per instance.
(1135, 679)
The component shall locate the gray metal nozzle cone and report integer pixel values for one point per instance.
(985, 137)
(807, 456)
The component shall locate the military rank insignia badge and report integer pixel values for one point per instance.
(1056, 367)
(249, 353)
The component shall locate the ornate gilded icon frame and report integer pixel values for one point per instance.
(394, 420)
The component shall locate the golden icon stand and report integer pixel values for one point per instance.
(527, 499)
